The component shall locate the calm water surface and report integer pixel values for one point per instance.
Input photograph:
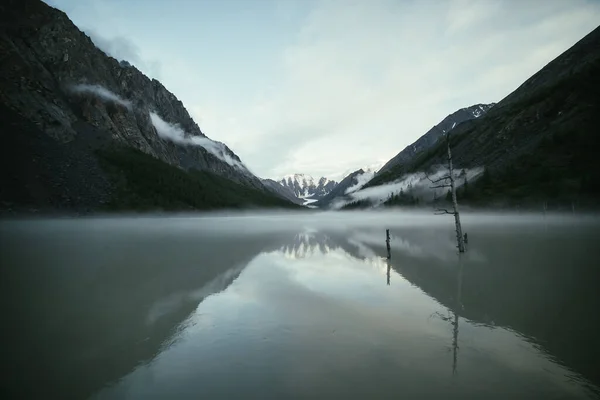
(301, 306)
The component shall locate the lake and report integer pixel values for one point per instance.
(303, 305)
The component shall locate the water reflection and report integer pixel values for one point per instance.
(505, 286)
(88, 304)
(305, 245)
(302, 308)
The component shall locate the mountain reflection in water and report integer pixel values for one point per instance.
(286, 307)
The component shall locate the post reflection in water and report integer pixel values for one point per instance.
(389, 268)
(457, 308)
(431, 271)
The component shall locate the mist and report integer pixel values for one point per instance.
(102, 93)
(168, 131)
(419, 185)
(176, 134)
(362, 180)
(181, 283)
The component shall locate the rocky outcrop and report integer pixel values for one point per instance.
(45, 61)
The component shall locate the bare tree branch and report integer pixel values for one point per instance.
(441, 211)
(440, 186)
(443, 178)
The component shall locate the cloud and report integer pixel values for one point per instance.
(362, 80)
(101, 92)
(361, 180)
(125, 49)
(176, 134)
(335, 84)
(165, 130)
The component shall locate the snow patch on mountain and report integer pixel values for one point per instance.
(306, 187)
(482, 109)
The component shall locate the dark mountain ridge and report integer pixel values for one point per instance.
(282, 191)
(54, 80)
(537, 144)
(432, 135)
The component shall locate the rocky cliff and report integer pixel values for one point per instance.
(52, 75)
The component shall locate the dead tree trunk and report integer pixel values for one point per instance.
(452, 185)
(459, 234)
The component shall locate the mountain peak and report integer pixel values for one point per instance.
(475, 111)
(306, 187)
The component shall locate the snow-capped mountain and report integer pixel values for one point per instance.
(308, 188)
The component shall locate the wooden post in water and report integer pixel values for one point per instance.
(389, 254)
(387, 243)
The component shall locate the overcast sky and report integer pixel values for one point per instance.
(325, 86)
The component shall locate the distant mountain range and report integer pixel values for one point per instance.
(306, 187)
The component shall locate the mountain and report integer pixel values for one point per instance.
(72, 116)
(306, 187)
(352, 182)
(432, 135)
(536, 146)
(373, 167)
(282, 191)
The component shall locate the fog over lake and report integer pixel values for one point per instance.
(301, 305)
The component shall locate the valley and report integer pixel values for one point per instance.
(118, 140)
